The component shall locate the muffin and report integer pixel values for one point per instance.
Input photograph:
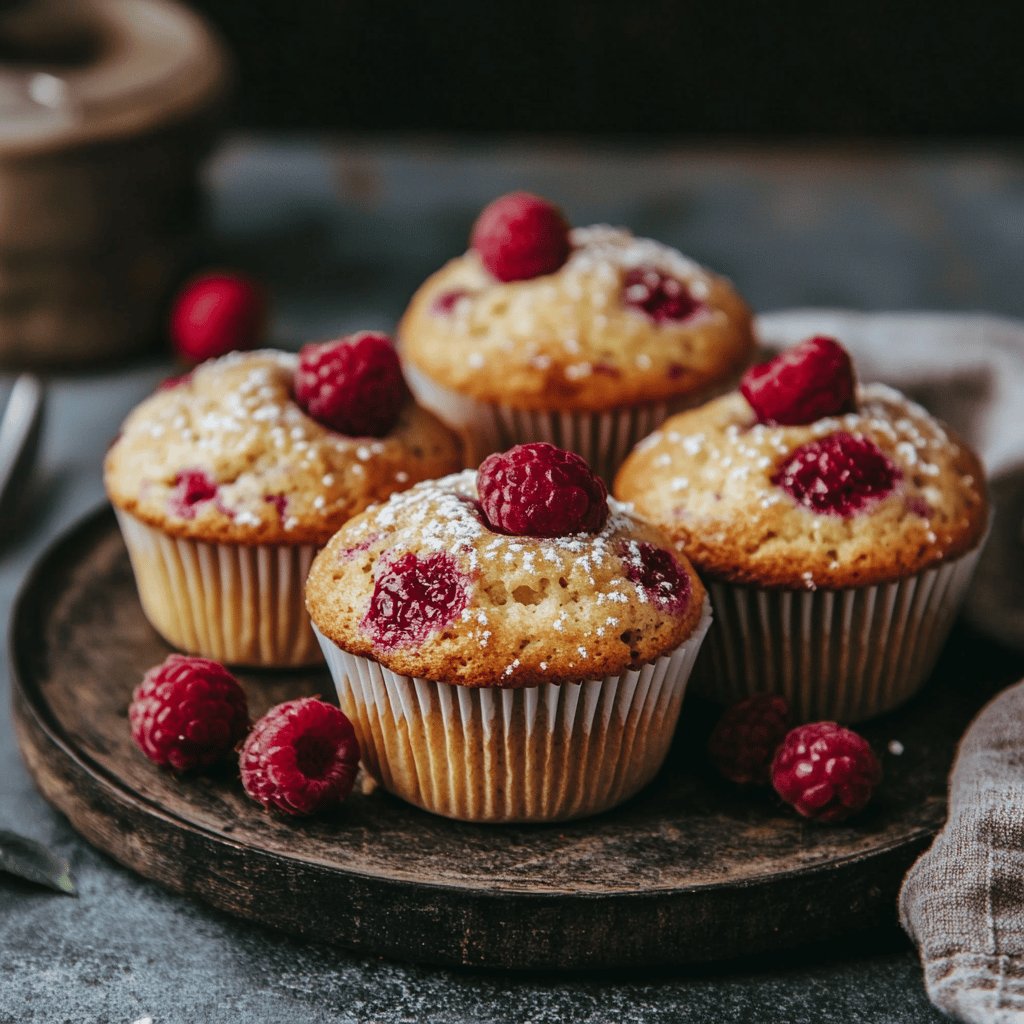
(586, 338)
(836, 527)
(225, 486)
(509, 645)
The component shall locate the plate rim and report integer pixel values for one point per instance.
(100, 518)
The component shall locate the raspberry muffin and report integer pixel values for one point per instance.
(587, 338)
(837, 527)
(227, 481)
(509, 644)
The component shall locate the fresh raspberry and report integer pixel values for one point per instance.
(837, 475)
(447, 301)
(538, 490)
(301, 757)
(188, 713)
(217, 313)
(191, 488)
(659, 295)
(353, 385)
(662, 579)
(520, 236)
(741, 746)
(825, 771)
(805, 383)
(414, 597)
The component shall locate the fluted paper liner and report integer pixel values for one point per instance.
(235, 603)
(846, 655)
(542, 753)
(604, 439)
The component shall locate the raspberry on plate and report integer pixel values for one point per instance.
(741, 746)
(805, 383)
(353, 385)
(837, 475)
(520, 236)
(825, 772)
(217, 313)
(538, 490)
(188, 713)
(662, 297)
(301, 757)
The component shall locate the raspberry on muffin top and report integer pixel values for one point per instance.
(353, 385)
(424, 585)
(539, 490)
(227, 453)
(520, 236)
(814, 483)
(594, 319)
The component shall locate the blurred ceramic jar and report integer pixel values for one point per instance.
(106, 109)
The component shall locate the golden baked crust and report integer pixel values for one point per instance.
(282, 478)
(539, 610)
(705, 478)
(566, 341)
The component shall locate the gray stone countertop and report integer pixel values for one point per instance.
(343, 231)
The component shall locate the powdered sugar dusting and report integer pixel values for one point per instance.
(578, 326)
(560, 577)
(442, 516)
(846, 497)
(606, 246)
(235, 419)
(751, 451)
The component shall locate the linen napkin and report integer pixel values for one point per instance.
(963, 901)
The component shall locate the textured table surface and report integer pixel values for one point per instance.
(343, 232)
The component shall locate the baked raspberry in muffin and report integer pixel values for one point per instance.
(495, 669)
(587, 338)
(836, 525)
(228, 480)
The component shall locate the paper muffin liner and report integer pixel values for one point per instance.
(239, 604)
(542, 753)
(844, 655)
(604, 439)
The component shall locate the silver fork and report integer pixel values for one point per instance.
(20, 427)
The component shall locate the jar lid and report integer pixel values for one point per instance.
(74, 72)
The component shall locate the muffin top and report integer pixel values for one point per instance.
(425, 586)
(227, 454)
(855, 498)
(622, 321)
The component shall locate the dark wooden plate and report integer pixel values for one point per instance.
(690, 870)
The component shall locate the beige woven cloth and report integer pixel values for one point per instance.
(963, 901)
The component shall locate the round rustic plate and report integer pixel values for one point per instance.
(689, 870)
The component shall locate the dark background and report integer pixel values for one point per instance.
(684, 69)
